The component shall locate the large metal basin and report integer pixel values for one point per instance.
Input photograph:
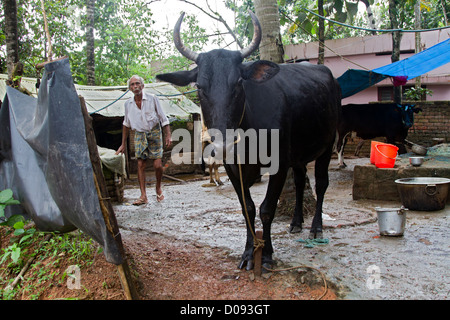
(423, 193)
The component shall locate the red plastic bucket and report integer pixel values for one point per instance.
(373, 144)
(385, 155)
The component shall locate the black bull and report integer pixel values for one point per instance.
(302, 101)
(369, 121)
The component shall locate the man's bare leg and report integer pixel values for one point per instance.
(157, 165)
(141, 179)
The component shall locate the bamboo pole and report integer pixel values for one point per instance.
(47, 32)
(257, 256)
(106, 206)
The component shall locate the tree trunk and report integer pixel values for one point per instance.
(445, 12)
(321, 56)
(11, 33)
(417, 25)
(370, 16)
(286, 204)
(271, 46)
(90, 47)
(396, 39)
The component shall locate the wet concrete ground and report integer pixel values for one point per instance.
(357, 260)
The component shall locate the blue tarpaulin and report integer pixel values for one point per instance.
(354, 81)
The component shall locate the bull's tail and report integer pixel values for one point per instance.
(338, 148)
(335, 144)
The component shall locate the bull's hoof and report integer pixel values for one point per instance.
(316, 235)
(295, 229)
(248, 265)
(267, 267)
(342, 166)
(208, 185)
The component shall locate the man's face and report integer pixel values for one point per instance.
(136, 86)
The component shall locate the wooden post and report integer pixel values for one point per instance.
(257, 256)
(47, 32)
(106, 206)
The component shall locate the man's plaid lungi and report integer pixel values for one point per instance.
(148, 145)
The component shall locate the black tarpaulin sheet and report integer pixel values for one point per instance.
(44, 159)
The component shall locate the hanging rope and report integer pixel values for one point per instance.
(331, 50)
(372, 30)
(159, 95)
(109, 104)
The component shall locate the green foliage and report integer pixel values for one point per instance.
(49, 256)
(6, 198)
(302, 25)
(126, 42)
(417, 94)
(16, 224)
(244, 25)
(26, 242)
(432, 15)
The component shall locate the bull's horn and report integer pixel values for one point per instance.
(192, 55)
(185, 51)
(256, 37)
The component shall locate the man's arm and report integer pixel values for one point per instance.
(167, 136)
(125, 132)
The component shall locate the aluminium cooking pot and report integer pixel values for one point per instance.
(416, 161)
(423, 193)
(422, 151)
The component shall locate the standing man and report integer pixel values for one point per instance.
(143, 113)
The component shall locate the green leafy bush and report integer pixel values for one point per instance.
(417, 94)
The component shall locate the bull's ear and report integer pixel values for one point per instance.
(260, 71)
(179, 78)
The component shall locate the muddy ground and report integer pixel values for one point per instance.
(206, 225)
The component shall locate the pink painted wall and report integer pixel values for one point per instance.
(361, 53)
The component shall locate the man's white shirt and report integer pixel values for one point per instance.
(144, 119)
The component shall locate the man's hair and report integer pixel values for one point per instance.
(141, 80)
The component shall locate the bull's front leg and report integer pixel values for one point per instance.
(249, 216)
(267, 213)
(248, 211)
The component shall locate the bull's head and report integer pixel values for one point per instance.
(218, 78)
(407, 111)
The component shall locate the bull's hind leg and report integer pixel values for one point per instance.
(321, 176)
(216, 175)
(300, 180)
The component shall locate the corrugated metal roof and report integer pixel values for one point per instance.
(27, 83)
(109, 101)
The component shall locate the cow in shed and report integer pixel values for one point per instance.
(209, 160)
(369, 121)
(298, 103)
